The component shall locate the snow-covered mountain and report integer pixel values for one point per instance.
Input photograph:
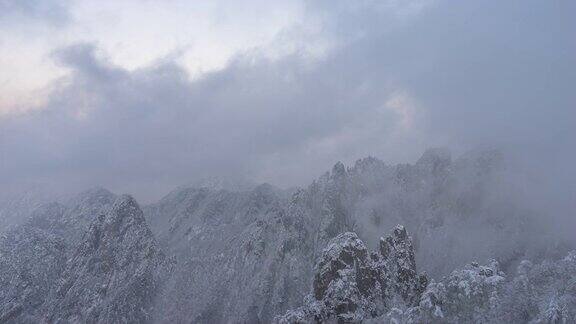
(250, 254)
(114, 273)
(16, 206)
(220, 254)
(94, 261)
(352, 285)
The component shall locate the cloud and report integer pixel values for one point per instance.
(52, 12)
(128, 129)
(199, 35)
(391, 83)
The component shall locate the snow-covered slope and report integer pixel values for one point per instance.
(217, 255)
(16, 206)
(113, 275)
(239, 255)
(93, 261)
(541, 293)
(352, 285)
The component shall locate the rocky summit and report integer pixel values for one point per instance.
(111, 274)
(351, 284)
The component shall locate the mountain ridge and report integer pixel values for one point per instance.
(249, 255)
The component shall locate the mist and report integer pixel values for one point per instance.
(282, 96)
(395, 81)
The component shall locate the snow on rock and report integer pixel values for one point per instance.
(113, 274)
(31, 260)
(351, 284)
(542, 293)
(466, 295)
(240, 256)
(33, 255)
(93, 261)
(249, 254)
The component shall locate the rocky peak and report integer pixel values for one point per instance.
(368, 163)
(94, 196)
(113, 272)
(83, 209)
(343, 252)
(397, 252)
(35, 255)
(351, 284)
(338, 171)
(125, 212)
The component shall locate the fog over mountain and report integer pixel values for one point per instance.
(287, 161)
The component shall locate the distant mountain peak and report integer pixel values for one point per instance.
(435, 159)
(222, 183)
(338, 170)
(113, 272)
(93, 196)
(125, 207)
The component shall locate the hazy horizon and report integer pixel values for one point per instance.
(139, 93)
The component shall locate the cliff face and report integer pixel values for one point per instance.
(58, 267)
(113, 274)
(352, 284)
(34, 255)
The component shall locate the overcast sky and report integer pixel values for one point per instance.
(142, 96)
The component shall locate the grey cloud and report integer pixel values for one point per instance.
(131, 129)
(487, 73)
(53, 12)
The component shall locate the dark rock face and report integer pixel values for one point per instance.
(397, 254)
(346, 251)
(351, 284)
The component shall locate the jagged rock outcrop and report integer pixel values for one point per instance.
(465, 296)
(542, 293)
(351, 284)
(398, 258)
(34, 255)
(113, 275)
(93, 261)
